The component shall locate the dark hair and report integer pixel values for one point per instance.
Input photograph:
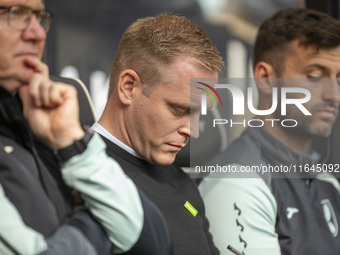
(310, 27)
(151, 44)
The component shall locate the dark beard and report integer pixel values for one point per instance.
(306, 124)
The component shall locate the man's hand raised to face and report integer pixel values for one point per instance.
(50, 108)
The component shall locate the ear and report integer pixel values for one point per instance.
(128, 83)
(264, 74)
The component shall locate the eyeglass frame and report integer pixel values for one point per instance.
(41, 15)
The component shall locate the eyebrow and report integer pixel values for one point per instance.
(318, 66)
(184, 106)
(210, 105)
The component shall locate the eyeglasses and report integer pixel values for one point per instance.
(19, 16)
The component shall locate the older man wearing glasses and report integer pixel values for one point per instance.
(39, 117)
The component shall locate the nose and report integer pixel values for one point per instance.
(194, 131)
(331, 90)
(34, 31)
(190, 127)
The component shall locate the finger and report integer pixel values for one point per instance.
(45, 92)
(69, 91)
(56, 93)
(40, 90)
(35, 90)
(37, 65)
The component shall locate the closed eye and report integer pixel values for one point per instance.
(314, 79)
(180, 112)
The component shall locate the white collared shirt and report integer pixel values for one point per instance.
(101, 130)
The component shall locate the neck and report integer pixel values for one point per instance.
(113, 122)
(12, 86)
